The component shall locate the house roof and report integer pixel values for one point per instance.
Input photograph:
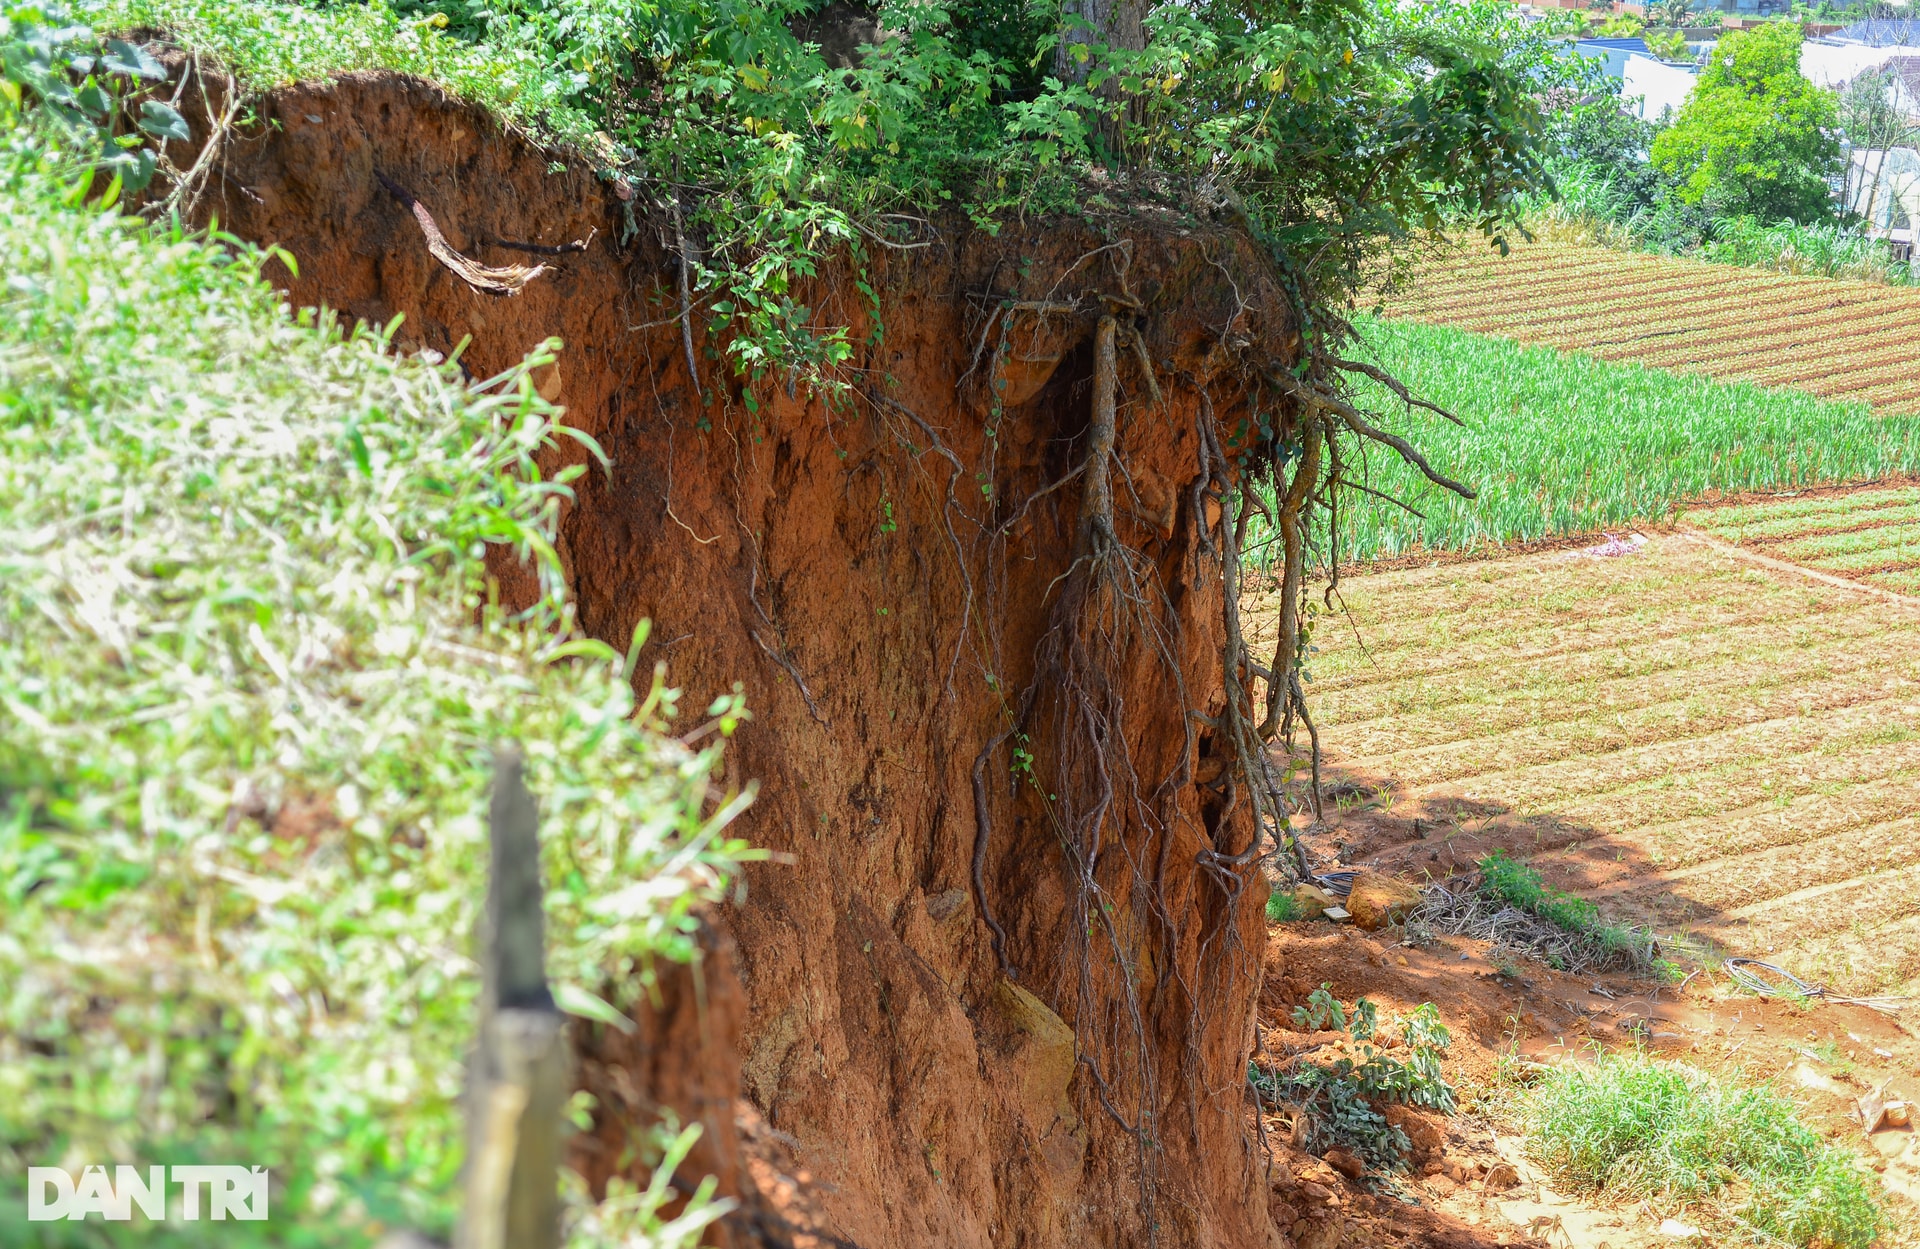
(1907, 69)
(1881, 32)
(1635, 44)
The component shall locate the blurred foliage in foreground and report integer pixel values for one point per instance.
(251, 672)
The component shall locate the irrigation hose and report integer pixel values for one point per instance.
(1746, 972)
(1339, 884)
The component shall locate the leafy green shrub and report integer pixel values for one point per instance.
(777, 158)
(1754, 137)
(252, 669)
(1341, 1100)
(1630, 1127)
(1826, 249)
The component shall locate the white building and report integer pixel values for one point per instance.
(1654, 88)
(1649, 86)
(1884, 187)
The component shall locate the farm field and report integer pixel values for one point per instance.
(1871, 536)
(1692, 740)
(1845, 340)
(1561, 443)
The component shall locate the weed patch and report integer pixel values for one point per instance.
(1630, 1127)
(1509, 881)
(1341, 1100)
(1284, 908)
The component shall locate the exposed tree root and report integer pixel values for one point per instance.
(507, 280)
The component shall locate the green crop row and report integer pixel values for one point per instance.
(1558, 444)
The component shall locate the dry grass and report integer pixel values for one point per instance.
(1684, 736)
(1839, 339)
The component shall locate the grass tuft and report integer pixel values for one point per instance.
(1630, 1127)
(1284, 908)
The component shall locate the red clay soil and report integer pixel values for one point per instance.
(880, 577)
(1511, 1016)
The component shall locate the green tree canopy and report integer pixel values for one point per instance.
(1756, 138)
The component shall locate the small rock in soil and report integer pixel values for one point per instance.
(1346, 1164)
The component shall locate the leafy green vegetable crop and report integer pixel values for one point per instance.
(1561, 443)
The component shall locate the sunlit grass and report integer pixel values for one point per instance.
(1630, 1127)
(251, 678)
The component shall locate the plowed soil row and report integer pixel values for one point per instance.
(1870, 535)
(1838, 339)
(1696, 742)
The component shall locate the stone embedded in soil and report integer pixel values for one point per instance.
(1317, 1192)
(1378, 900)
(1324, 1234)
(1346, 1164)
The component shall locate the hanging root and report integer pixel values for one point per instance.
(686, 291)
(1096, 497)
(1306, 475)
(982, 836)
(1315, 399)
(1394, 384)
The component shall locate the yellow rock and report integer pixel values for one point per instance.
(1378, 900)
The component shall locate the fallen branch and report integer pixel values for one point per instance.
(509, 280)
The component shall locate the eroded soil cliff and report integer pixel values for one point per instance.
(890, 574)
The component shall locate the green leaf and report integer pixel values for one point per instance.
(132, 60)
(575, 1000)
(163, 121)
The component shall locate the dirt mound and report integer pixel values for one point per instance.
(890, 577)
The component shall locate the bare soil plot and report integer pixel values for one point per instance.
(1696, 741)
(1835, 338)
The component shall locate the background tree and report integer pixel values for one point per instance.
(1756, 138)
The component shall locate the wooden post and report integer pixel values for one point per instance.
(518, 1082)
